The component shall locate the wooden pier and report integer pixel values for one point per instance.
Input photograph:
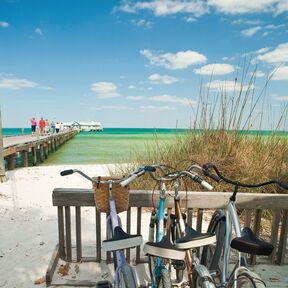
(38, 146)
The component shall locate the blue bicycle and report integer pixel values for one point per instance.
(174, 249)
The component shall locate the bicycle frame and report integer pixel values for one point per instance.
(231, 219)
(160, 215)
(115, 221)
(178, 213)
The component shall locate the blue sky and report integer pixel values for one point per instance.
(138, 63)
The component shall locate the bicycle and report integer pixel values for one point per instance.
(182, 250)
(216, 257)
(117, 239)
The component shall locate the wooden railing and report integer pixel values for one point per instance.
(197, 203)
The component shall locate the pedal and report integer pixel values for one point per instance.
(179, 265)
(104, 284)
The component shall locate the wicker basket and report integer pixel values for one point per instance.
(101, 195)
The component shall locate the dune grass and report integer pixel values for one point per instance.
(217, 136)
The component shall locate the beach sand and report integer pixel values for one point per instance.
(28, 228)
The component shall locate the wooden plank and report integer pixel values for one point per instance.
(128, 230)
(248, 217)
(61, 235)
(283, 239)
(52, 265)
(98, 234)
(256, 229)
(108, 254)
(68, 233)
(208, 200)
(139, 214)
(190, 217)
(78, 233)
(274, 234)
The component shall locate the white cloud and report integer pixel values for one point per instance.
(243, 6)
(281, 98)
(190, 19)
(246, 22)
(162, 79)
(274, 27)
(151, 108)
(179, 60)
(16, 83)
(4, 24)
(227, 86)
(172, 99)
(38, 31)
(280, 73)
(281, 7)
(215, 69)
(105, 90)
(142, 23)
(131, 87)
(262, 50)
(198, 8)
(136, 98)
(249, 32)
(257, 74)
(166, 7)
(278, 55)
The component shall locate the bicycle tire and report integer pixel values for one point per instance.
(212, 254)
(127, 278)
(164, 280)
(248, 279)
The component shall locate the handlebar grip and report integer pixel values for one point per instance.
(206, 185)
(128, 180)
(66, 172)
(149, 169)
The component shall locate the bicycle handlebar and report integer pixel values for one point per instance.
(167, 176)
(208, 166)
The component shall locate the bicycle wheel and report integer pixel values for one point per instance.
(212, 254)
(248, 279)
(127, 278)
(163, 280)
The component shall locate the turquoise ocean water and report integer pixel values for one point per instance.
(113, 145)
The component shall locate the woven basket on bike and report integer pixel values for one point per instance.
(101, 195)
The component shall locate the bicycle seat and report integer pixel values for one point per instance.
(194, 239)
(251, 244)
(121, 240)
(164, 249)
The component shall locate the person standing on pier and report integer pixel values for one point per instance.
(47, 127)
(33, 125)
(42, 126)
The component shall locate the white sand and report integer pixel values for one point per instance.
(28, 228)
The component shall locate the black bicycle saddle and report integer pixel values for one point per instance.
(121, 240)
(251, 244)
(193, 239)
(164, 249)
